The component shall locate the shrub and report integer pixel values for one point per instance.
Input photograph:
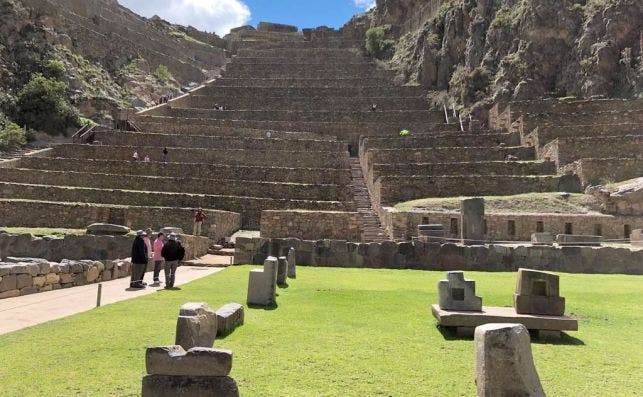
(42, 105)
(162, 74)
(405, 133)
(377, 45)
(470, 86)
(11, 135)
(55, 69)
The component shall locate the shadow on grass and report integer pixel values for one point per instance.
(450, 333)
(266, 308)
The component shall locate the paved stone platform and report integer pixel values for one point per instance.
(488, 315)
(27, 311)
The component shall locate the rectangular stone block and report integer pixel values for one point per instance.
(282, 271)
(262, 284)
(198, 361)
(542, 239)
(636, 237)
(292, 266)
(24, 281)
(578, 240)
(457, 293)
(10, 294)
(196, 326)
(472, 221)
(189, 386)
(229, 317)
(541, 305)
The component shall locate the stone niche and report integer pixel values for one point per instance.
(458, 294)
(538, 293)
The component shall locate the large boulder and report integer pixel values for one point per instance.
(504, 364)
(106, 229)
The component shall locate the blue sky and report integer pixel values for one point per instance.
(222, 15)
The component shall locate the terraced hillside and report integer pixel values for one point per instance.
(308, 124)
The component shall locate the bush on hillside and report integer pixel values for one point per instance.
(162, 74)
(42, 105)
(469, 86)
(377, 45)
(55, 69)
(11, 135)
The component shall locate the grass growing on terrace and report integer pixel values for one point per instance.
(336, 332)
(550, 203)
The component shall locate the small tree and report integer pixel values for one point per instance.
(42, 104)
(11, 135)
(162, 74)
(377, 45)
(55, 69)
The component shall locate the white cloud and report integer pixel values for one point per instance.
(210, 15)
(365, 4)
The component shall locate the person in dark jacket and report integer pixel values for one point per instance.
(173, 253)
(139, 260)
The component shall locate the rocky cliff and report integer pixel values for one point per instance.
(481, 51)
(111, 56)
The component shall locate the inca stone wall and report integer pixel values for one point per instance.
(600, 171)
(220, 224)
(513, 227)
(29, 276)
(96, 248)
(431, 256)
(309, 225)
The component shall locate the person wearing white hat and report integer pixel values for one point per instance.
(139, 261)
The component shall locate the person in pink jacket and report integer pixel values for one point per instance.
(158, 258)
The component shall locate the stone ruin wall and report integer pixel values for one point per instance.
(96, 248)
(500, 226)
(594, 172)
(311, 225)
(430, 256)
(79, 216)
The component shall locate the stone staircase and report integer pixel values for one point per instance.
(372, 230)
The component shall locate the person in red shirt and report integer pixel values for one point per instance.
(199, 218)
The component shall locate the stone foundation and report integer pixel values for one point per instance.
(431, 256)
(25, 276)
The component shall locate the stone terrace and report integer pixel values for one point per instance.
(598, 140)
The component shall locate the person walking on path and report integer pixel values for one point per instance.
(173, 253)
(158, 258)
(199, 218)
(165, 153)
(139, 260)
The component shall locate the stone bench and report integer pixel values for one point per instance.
(400, 116)
(249, 207)
(330, 176)
(391, 190)
(567, 150)
(281, 158)
(32, 211)
(179, 184)
(122, 138)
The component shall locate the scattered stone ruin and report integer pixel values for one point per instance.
(458, 293)
(229, 317)
(262, 284)
(196, 326)
(538, 293)
(504, 363)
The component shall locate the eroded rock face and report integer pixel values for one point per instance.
(530, 48)
(626, 199)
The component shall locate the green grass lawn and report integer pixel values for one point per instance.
(336, 332)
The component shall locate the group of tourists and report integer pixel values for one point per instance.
(166, 253)
(146, 159)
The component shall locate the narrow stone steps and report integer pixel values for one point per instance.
(372, 230)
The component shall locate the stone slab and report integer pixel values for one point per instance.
(502, 315)
(229, 317)
(282, 271)
(636, 238)
(542, 239)
(578, 240)
(189, 386)
(199, 361)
